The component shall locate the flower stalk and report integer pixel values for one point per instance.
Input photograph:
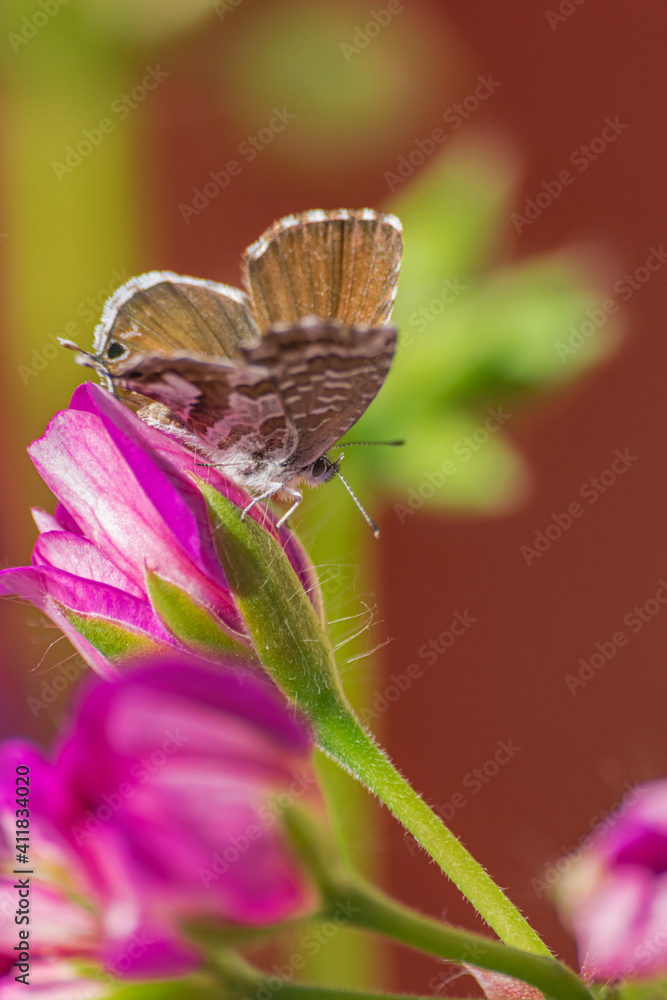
(370, 909)
(241, 981)
(295, 650)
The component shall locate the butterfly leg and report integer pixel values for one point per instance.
(298, 497)
(261, 496)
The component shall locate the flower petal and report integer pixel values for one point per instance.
(106, 491)
(52, 589)
(77, 555)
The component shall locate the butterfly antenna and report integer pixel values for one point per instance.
(367, 517)
(88, 360)
(353, 444)
(93, 360)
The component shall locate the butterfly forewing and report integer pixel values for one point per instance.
(166, 313)
(341, 265)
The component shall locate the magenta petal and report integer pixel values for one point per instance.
(65, 519)
(42, 587)
(180, 465)
(144, 449)
(27, 582)
(110, 503)
(44, 521)
(76, 555)
(197, 773)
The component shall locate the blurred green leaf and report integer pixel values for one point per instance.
(474, 341)
(655, 990)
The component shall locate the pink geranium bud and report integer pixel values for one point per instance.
(129, 511)
(163, 803)
(615, 896)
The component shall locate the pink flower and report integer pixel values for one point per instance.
(162, 802)
(128, 505)
(615, 897)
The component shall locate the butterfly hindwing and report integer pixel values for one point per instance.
(293, 396)
(326, 375)
(227, 405)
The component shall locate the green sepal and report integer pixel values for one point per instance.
(288, 635)
(193, 624)
(112, 640)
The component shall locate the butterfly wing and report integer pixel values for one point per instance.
(163, 313)
(341, 265)
(291, 397)
(326, 375)
(227, 405)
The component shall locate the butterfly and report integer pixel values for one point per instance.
(262, 382)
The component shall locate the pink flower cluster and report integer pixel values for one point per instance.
(615, 897)
(161, 802)
(128, 504)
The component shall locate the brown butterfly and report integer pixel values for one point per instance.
(263, 382)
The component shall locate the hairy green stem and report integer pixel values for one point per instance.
(242, 981)
(379, 913)
(294, 648)
(303, 992)
(347, 742)
(345, 893)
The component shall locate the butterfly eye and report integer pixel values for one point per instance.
(319, 468)
(114, 351)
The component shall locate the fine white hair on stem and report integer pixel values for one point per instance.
(47, 650)
(345, 666)
(370, 620)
